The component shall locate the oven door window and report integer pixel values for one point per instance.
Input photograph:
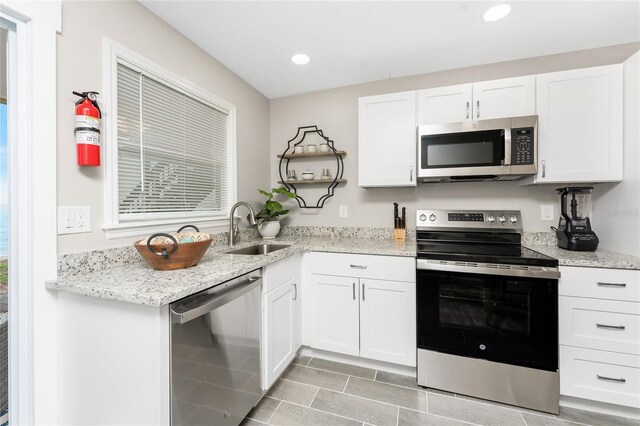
(469, 149)
(503, 319)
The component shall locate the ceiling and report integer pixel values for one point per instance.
(353, 42)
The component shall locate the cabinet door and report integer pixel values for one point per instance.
(507, 97)
(450, 104)
(280, 322)
(388, 321)
(580, 125)
(334, 314)
(387, 140)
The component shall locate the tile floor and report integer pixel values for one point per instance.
(314, 391)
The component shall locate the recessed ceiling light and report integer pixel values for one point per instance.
(300, 59)
(496, 13)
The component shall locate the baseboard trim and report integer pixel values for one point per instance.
(359, 361)
(599, 407)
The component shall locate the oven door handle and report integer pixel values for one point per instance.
(481, 268)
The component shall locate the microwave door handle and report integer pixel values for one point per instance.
(506, 161)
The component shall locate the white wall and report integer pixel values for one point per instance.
(84, 24)
(616, 207)
(335, 112)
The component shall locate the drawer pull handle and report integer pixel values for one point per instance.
(295, 294)
(354, 291)
(601, 284)
(359, 266)
(612, 327)
(611, 379)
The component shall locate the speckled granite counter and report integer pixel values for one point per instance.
(138, 283)
(597, 259)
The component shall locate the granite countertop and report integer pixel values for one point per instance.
(597, 259)
(139, 283)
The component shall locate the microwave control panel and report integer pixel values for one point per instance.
(522, 146)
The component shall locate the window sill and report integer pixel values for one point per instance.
(144, 229)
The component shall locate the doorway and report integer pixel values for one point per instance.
(4, 228)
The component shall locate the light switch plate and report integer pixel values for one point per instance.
(344, 211)
(74, 220)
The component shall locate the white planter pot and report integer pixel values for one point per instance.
(269, 230)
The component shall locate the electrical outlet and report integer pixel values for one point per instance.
(344, 211)
(546, 212)
(74, 220)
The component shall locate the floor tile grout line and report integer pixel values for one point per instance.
(314, 396)
(398, 417)
(274, 411)
(375, 376)
(443, 417)
(346, 384)
(364, 397)
(321, 411)
(523, 419)
(331, 371)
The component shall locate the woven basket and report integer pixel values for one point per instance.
(169, 257)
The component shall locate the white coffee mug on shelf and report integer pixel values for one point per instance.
(312, 148)
(324, 147)
(299, 149)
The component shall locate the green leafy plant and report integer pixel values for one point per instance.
(273, 209)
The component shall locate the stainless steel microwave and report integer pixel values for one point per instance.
(500, 149)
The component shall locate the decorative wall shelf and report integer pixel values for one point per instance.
(290, 154)
(304, 182)
(313, 154)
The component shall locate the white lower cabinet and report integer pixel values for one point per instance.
(280, 302)
(387, 321)
(334, 314)
(363, 316)
(599, 318)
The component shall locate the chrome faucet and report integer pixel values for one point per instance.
(233, 225)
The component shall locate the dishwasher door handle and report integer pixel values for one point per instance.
(198, 305)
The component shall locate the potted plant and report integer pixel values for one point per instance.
(269, 216)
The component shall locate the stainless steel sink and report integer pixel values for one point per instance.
(259, 249)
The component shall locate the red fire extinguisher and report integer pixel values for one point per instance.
(87, 129)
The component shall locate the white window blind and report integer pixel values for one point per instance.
(172, 151)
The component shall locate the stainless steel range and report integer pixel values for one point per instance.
(487, 309)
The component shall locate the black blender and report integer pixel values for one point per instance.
(574, 230)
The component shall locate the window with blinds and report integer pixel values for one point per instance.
(173, 149)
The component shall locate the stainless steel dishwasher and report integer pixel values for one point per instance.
(216, 374)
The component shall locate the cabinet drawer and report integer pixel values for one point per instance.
(600, 324)
(364, 266)
(613, 284)
(600, 376)
(278, 273)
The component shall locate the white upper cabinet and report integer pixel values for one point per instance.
(508, 97)
(580, 125)
(387, 140)
(451, 104)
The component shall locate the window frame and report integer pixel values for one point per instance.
(113, 225)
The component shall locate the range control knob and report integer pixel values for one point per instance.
(432, 217)
(513, 218)
(502, 218)
(423, 217)
(491, 218)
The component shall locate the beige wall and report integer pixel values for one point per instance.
(84, 24)
(335, 112)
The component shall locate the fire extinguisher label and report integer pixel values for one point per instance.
(87, 121)
(88, 137)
